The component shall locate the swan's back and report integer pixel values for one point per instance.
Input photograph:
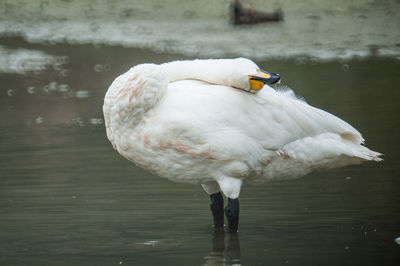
(272, 118)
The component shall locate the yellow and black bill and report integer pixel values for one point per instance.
(266, 77)
(258, 80)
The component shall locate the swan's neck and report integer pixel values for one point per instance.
(225, 72)
(130, 97)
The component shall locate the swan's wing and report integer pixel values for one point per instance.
(227, 123)
(272, 117)
(242, 132)
(290, 118)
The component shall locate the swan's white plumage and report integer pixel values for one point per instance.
(193, 121)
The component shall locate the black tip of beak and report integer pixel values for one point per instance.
(274, 78)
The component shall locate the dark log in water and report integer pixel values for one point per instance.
(242, 15)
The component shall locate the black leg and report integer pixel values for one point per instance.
(232, 215)
(217, 209)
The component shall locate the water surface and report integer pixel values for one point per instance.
(66, 197)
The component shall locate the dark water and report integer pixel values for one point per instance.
(67, 198)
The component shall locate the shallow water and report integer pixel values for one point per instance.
(66, 197)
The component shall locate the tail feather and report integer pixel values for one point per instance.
(368, 155)
(329, 150)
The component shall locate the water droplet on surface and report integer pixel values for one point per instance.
(149, 243)
(120, 262)
(98, 68)
(397, 240)
(78, 121)
(11, 92)
(31, 90)
(53, 86)
(39, 120)
(345, 67)
(63, 87)
(96, 121)
(348, 178)
(63, 73)
(82, 94)
(346, 247)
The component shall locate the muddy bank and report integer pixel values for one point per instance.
(320, 29)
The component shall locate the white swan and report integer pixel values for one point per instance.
(195, 122)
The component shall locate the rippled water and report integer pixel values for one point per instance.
(66, 197)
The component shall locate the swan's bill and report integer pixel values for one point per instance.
(258, 80)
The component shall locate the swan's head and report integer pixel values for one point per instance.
(239, 73)
(251, 77)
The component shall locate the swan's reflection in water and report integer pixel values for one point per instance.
(225, 250)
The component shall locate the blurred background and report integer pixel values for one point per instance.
(66, 197)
